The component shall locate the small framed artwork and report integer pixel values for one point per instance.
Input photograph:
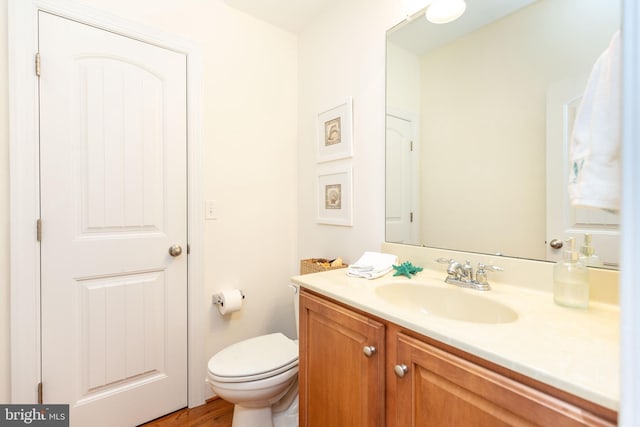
(335, 196)
(335, 133)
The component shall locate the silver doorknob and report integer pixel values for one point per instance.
(175, 250)
(369, 350)
(400, 370)
(556, 243)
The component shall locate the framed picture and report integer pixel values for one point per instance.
(335, 133)
(335, 196)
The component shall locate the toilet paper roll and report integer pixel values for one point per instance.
(230, 301)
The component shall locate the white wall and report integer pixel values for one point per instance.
(249, 161)
(342, 54)
(403, 80)
(505, 114)
(5, 384)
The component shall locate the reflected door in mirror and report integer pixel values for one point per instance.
(401, 181)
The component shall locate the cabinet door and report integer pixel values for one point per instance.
(440, 389)
(340, 385)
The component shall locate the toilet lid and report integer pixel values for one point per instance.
(254, 359)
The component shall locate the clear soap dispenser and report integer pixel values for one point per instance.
(571, 279)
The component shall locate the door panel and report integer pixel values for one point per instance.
(122, 328)
(113, 200)
(339, 384)
(122, 147)
(443, 389)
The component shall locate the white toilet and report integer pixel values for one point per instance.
(260, 377)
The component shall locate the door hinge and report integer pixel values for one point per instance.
(39, 230)
(40, 393)
(410, 144)
(410, 216)
(38, 64)
(188, 249)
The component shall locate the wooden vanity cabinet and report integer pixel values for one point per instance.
(438, 385)
(341, 366)
(438, 388)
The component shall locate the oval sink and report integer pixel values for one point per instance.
(446, 301)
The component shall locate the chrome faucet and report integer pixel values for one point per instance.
(462, 274)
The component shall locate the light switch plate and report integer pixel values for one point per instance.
(211, 209)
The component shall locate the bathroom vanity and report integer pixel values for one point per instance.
(370, 356)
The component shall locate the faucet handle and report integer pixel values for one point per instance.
(483, 267)
(481, 274)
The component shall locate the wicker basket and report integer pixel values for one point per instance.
(317, 265)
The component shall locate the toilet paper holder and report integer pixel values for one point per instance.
(217, 299)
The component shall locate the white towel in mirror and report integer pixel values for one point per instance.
(594, 152)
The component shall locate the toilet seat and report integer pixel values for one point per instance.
(254, 359)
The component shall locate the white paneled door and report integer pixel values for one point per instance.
(113, 203)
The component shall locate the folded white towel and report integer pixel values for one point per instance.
(372, 265)
(594, 153)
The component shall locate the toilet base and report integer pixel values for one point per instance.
(252, 417)
(266, 417)
(289, 416)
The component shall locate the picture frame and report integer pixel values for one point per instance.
(335, 196)
(335, 132)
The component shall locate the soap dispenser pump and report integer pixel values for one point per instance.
(588, 254)
(571, 279)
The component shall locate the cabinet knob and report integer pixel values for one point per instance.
(400, 370)
(369, 350)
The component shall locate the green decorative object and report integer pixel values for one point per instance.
(406, 269)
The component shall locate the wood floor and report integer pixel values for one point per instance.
(214, 413)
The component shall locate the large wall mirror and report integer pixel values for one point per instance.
(479, 114)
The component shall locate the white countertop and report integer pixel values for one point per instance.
(572, 349)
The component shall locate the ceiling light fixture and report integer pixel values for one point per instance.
(445, 11)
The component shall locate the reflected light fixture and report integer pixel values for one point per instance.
(445, 11)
